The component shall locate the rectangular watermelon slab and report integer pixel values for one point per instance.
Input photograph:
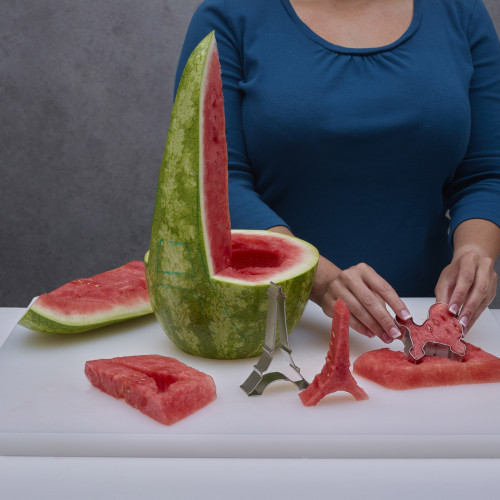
(161, 387)
(393, 370)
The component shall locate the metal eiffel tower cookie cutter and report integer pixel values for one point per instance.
(259, 379)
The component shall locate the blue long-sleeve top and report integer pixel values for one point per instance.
(373, 155)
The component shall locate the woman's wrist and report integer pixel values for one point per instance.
(468, 284)
(281, 229)
(325, 274)
(479, 236)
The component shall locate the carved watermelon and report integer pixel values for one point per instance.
(208, 284)
(335, 375)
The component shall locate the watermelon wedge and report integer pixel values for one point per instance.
(335, 375)
(88, 303)
(162, 388)
(393, 370)
(208, 283)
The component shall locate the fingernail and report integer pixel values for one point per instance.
(386, 338)
(464, 320)
(370, 334)
(394, 332)
(405, 314)
(453, 309)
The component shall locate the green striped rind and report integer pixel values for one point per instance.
(176, 268)
(40, 322)
(177, 245)
(205, 316)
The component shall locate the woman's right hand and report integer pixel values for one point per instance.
(365, 293)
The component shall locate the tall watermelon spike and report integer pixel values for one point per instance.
(207, 283)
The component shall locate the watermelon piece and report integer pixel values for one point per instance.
(207, 282)
(393, 370)
(163, 388)
(88, 303)
(335, 375)
(441, 327)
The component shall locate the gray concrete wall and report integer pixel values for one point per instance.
(86, 90)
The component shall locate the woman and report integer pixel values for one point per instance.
(370, 128)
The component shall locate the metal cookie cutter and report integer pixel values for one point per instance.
(258, 380)
(430, 347)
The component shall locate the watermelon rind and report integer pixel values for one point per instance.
(203, 312)
(60, 312)
(45, 321)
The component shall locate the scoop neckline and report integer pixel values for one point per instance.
(304, 28)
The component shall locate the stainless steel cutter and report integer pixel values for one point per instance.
(430, 347)
(260, 378)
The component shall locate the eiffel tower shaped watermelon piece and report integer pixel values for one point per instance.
(335, 375)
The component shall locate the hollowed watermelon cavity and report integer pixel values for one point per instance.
(208, 283)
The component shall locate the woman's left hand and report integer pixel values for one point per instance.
(468, 284)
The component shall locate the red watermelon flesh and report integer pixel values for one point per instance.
(335, 375)
(392, 369)
(163, 388)
(215, 211)
(441, 327)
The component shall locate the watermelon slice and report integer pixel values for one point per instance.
(89, 303)
(208, 283)
(392, 369)
(335, 375)
(440, 328)
(162, 388)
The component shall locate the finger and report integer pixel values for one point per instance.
(481, 293)
(465, 280)
(360, 320)
(367, 308)
(370, 291)
(327, 306)
(355, 324)
(444, 287)
(388, 295)
(480, 309)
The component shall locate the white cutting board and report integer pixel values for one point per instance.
(47, 406)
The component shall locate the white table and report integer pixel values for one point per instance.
(23, 477)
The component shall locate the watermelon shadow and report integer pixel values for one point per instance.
(337, 398)
(50, 341)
